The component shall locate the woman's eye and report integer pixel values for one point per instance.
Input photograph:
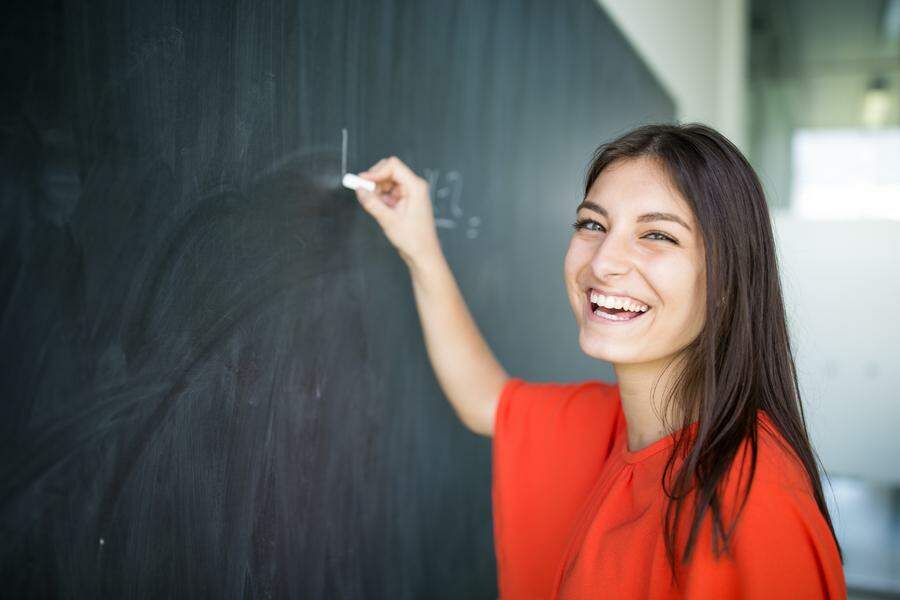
(581, 224)
(662, 236)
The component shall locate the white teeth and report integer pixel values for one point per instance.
(600, 313)
(614, 302)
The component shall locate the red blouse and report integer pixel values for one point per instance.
(577, 515)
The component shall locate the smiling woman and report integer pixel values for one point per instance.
(681, 478)
(634, 242)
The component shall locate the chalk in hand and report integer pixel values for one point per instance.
(355, 182)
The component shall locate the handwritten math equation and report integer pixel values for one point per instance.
(446, 193)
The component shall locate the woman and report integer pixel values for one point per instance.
(693, 476)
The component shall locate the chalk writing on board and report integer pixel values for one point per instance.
(343, 151)
(446, 193)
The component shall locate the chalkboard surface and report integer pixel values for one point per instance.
(214, 382)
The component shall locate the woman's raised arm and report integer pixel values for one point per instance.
(466, 368)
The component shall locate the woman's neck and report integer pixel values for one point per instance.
(643, 414)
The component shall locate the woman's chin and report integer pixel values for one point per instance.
(598, 349)
(605, 350)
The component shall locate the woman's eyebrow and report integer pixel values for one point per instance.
(645, 218)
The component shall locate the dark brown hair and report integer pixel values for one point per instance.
(741, 361)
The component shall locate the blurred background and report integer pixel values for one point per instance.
(809, 91)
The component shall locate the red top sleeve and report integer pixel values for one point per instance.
(550, 443)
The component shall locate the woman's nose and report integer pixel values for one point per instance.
(612, 257)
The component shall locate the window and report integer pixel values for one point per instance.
(846, 174)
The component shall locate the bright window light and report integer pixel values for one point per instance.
(846, 174)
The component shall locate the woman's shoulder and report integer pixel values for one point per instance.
(780, 504)
(774, 470)
(778, 467)
(781, 542)
(587, 409)
(780, 490)
(578, 399)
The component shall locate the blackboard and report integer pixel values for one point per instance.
(214, 382)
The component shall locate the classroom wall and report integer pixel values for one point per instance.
(697, 49)
(840, 281)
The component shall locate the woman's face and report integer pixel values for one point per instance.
(624, 248)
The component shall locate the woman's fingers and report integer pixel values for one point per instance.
(388, 172)
(394, 181)
(374, 205)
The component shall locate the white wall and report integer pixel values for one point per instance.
(841, 281)
(698, 50)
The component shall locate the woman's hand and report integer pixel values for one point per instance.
(402, 207)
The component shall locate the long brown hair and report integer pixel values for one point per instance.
(741, 361)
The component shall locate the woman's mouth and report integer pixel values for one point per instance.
(612, 316)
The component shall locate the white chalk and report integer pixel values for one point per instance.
(355, 181)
